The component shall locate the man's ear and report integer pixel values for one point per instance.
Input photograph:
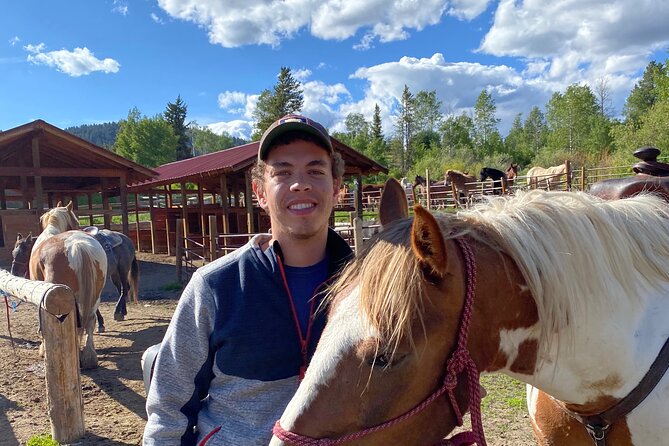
(336, 182)
(260, 194)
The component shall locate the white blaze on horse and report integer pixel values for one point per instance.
(561, 290)
(63, 254)
(548, 178)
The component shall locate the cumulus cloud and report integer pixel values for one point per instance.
(229, 98)
(75, 63)
(579, 39)
(239, 128)
(233, 24)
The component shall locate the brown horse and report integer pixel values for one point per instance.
(511, 174)
(464, 183)
(510, 286)
(73, 258)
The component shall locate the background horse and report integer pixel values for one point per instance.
(511, 174)
(497, 177)
(75, 259)
(122, 267)
(551, 177)
(561, 290)
(21, 255)
(464, 183)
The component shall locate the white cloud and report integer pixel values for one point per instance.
(157, 19)
(14, 40)
(79, 62)
(228, 98)
(268, 22)
(238, 128)
(120, 7)
(301, 74)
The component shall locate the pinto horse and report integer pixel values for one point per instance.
(549, 178)
(497, 176)
(73, 258)
(562, 290)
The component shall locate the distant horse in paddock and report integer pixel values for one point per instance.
(73, 258)
(510, 287)
(464, 184)
(497, 177)
(511, 174)
(548, 178)
(371, 195)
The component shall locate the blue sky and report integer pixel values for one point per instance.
(91, 61)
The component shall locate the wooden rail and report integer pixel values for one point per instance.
(58, 315)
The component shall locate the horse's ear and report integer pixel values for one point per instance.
(393, 204)
(59, 204)
(19, 237)
(69, 206)
(428, 243)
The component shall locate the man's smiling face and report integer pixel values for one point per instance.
(299, 190)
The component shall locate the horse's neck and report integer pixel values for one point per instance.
(609, 356)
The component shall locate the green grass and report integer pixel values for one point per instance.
(505, 395)
(42, 440)
(172, 286)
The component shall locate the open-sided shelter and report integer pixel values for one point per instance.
(41, 164)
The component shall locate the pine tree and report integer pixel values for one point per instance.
(175, 115)
(405, 129)
(286, 97)
(376, 129)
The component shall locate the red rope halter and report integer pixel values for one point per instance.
(459, 361)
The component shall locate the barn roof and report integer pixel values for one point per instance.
(61, 150)
(208, 168)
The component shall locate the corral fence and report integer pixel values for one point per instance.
(196, 250)
(58, 324)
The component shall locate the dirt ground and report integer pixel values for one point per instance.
(114, 393)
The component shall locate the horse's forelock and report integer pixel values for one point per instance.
(390, 286)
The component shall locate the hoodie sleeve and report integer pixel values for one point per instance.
(183, 369)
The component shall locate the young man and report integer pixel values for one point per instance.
(245, 326)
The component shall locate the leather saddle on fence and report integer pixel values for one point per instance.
(651, 176)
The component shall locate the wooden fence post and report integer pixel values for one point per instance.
(179, 246)
(357, 234)
(57, 309)
(427, 188)
(568, 164)
(213, 238)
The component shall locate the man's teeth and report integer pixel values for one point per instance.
(299, 206)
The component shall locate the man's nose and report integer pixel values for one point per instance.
(301, 183)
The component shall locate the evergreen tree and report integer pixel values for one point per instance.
(376, 128)
(457, 134)
(405, 129)
(175, 115)
(286, 97)
(206, 141)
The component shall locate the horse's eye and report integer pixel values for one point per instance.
(386, 360)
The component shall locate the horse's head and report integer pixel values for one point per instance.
(483, 175)
(21, 255)
(61, 218)
(512, 171)
(387, 352)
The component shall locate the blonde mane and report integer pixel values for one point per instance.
(577, 253)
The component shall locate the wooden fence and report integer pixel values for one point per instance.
(58, 322)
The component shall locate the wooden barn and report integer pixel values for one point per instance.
(41, 164)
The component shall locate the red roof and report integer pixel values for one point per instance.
(236, 159)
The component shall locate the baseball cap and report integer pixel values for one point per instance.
(289, 123)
